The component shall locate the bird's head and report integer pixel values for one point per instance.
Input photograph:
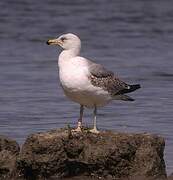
(66, 41)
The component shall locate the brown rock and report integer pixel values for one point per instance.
(170, 177)
(9, 149)
(60, 154)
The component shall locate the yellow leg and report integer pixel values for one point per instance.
(79, 125)
(94, 130)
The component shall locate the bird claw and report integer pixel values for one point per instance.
(78, 129)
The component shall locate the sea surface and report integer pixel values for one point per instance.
(132, 38)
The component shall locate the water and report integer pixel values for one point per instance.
(134, 39)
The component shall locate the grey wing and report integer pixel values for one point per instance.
(101, 77)
(98, 70)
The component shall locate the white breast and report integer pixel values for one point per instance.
(76, 85)
(73, 75)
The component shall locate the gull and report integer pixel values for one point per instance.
(86, 82)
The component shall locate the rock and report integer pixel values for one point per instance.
(170, 177)
(9, 149)
(62, 154)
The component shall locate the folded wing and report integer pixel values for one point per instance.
(101, 77)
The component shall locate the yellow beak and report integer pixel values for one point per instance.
(54, 42)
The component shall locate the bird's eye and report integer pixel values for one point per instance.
(63, 39)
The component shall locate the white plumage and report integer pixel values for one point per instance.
(84, 81)
(74, 77)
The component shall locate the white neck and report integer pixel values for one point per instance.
(65, 55)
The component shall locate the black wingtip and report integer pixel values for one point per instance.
(135, 86)
(131, 99)
(126, 98)
(47, 42)
(131, 88)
